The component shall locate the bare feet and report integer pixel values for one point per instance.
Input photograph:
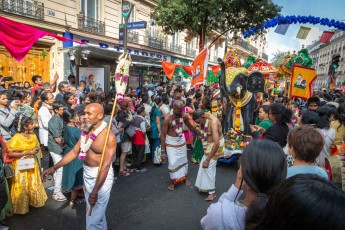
(211, 197)
(171, 187)
(187, 183)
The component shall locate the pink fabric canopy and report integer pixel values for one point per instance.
(18, 38)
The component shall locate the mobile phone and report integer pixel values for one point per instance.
(75, 100)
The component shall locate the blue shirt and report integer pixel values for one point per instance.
(308, 169)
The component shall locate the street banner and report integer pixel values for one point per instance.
(301, 81)
(199, 67)
(303, 32)
(168, 68)
(326, 36)
(281, 29)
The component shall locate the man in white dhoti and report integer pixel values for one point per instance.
(210, 133)
(89, 148)
(173, 143)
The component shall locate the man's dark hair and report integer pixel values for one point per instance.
(197, 114)
(35, 78)
(58, 105)
(313, 100)
(198, 96)
(140, 109)
(61, 85)
(82, 82)
(145, 99)
(307, 143)
(71, 76)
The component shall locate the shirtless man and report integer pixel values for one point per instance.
(211, 135)
(174, 144)
(97, 189)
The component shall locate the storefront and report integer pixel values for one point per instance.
(146, 63)
(36, 62)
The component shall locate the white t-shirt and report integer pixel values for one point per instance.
(43, 120)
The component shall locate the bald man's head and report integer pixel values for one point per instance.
(178, 107)
(94, 113)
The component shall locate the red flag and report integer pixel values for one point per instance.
(188, 69)
(215, 69)
(199, 65)
(326, 36)
(168, 68)
(18, 38)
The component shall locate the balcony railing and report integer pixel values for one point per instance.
(245, 45)
(155, 42)
(133, 36)
(175, 48)
(191, 53)
(90, 24)
(31, 9)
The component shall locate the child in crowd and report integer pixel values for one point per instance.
(305, 144)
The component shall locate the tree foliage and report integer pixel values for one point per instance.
(201, 16)
(278, 58)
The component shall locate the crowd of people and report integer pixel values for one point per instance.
(52, 133)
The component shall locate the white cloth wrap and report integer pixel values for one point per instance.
(97, 220)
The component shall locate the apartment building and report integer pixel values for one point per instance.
(322, 55)
(97, 22)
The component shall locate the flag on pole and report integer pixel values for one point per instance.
(301, 81)
(215, 69)
(188, 69)
(326, 36)
(168, 68)
(282, 28)
(199, 67)
(303, 32)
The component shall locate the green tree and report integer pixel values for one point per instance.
(198, 17)
(278, 58)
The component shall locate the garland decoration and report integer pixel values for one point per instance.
(177, 123)
(203, 134)
(293, 20)
(86, 145)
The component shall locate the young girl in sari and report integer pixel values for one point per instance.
(27, 188)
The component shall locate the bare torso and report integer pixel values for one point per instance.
(94, 155)
(214, 125)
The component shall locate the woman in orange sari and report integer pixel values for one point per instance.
(27, 188)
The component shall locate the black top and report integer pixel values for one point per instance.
(277, 133)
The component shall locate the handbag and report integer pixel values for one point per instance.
(157, 159)
(26, 163)
(130, 131)
(8, 170)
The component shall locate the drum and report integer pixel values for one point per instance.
(335, 165)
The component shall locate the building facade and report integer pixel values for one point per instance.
(97, 22)
(322, 55)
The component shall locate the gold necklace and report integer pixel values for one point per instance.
(244, 100)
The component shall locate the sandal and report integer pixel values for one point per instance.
(129, 170)
(124, 173)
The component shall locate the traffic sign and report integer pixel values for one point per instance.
(126, 8)
(135, 25)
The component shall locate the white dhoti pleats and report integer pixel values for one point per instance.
(97, 220)
(206, 179)
(176, 150)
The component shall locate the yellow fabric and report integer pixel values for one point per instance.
(301, 81)
(219, 152)
(339, 132)
(27, 188)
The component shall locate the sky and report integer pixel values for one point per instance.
(332, 9)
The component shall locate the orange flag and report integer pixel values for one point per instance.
(188, 69)
(215, 69)
(301, 81)
(168, 68)
(199, 67)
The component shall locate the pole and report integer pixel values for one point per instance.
(105, 144)
(125, 30)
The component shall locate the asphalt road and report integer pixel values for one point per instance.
(140, 201)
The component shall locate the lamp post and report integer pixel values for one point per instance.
(127, 8)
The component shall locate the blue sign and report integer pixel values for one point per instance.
(136, 25)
